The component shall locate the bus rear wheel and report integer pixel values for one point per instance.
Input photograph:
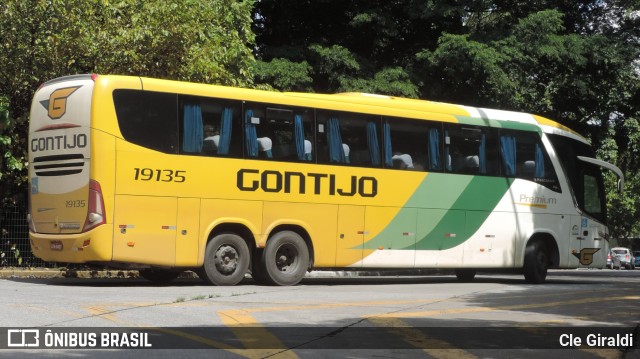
(536, 262)
(226, 259)
(285, 259)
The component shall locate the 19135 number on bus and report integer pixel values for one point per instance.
(160, 175)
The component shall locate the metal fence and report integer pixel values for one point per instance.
(15, 250)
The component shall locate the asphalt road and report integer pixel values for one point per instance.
(495, 316)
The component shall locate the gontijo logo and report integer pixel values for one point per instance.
(56, 105)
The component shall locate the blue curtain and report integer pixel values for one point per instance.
(388, 152)
(434, 149)
(482, 154)
(299, 136)
(251, 137)
(225, 131)
(193, 134)
(372, 142)
(336, 152)
(447, 151)
(539, 162)
(508, 152)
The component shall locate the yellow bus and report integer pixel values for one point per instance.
(165, 176)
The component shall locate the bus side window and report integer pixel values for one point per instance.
(347, 138)
(148, 118)
(470, 150)
(521, 154)
(230, 130)
(301, 147)
(413, 144)
(524, 156)
(252, 120)
(334, 141)
(303, 134)
(435, 159)
(192, 126)
(356, 145)
(279, 133)
(210, 127)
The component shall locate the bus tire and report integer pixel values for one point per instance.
(158, 275)
(226, 259)
(258, 273)
(536, 262)
(465, 274)
(260, 277)
(285, 259)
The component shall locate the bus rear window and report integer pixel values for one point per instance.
(148, 119)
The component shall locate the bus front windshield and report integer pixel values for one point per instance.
(585, 178)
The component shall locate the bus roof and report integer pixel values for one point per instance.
(547, 125)
(360, 102)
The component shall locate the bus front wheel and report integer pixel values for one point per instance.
(285, 259)
(536, 262)
(226, 259)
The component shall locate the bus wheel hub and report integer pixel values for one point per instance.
(226, 259)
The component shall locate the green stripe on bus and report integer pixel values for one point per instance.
(481, 196)
(439, 208)
(508, 125)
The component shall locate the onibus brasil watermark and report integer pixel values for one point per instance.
(48, 338)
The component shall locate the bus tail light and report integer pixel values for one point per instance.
(95, 212)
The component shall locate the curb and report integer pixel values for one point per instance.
(8, 273)
(64, 273)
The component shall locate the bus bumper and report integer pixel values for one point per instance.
(93, 246)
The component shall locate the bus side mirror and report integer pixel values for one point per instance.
(608, 166)
(620, 185)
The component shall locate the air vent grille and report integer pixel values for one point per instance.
(58, 165)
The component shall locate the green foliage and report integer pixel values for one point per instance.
(575, 62)
(203, 41)
(12, 163)
(332, 64)
(16, 254)
(188, 40)
(624, 208)
(284, 74)
(392, 81)
(470, 70)
(350, 45)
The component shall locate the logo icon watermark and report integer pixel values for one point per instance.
(23, 338)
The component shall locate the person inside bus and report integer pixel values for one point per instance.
(211, 139)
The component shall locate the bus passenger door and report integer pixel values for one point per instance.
(187, 232)
(145, 230)
(588, 235)
(350, 236)
(587, 243)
